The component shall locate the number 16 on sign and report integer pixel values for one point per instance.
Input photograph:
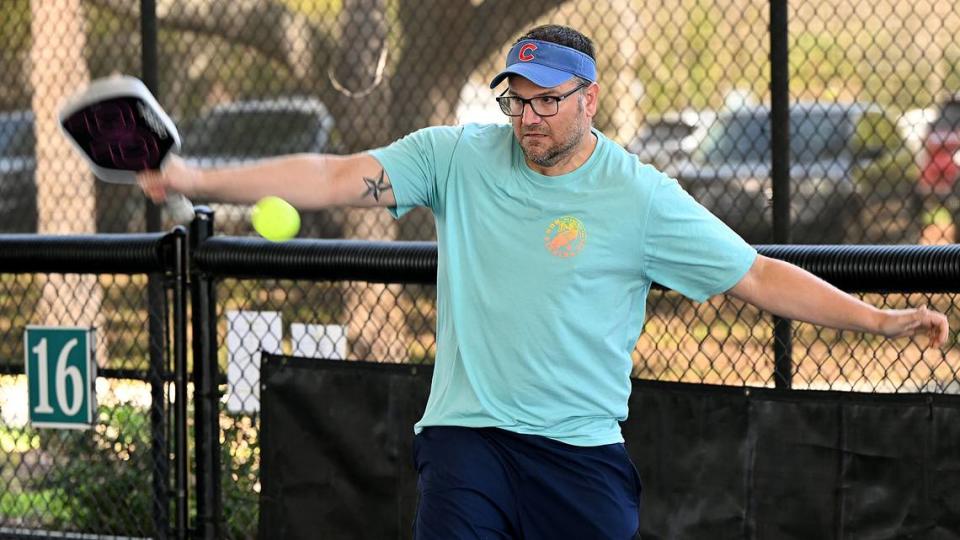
(60, 376)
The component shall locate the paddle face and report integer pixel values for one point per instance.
(119, 134)
(119, 128)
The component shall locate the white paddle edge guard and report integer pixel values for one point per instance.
(179, 208)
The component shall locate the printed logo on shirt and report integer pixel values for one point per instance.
(565, 237)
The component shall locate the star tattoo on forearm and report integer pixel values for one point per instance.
(376, 186)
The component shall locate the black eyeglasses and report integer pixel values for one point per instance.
(542, 105)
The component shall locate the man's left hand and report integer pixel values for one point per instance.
(897, 323)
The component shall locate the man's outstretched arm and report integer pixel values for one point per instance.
(307, 181)
(793, 293)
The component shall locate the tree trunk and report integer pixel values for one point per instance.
(358, 78)
(65, 195)
(65, 189)
(376, 325)
(431, 66)
(427, 64)
(271, 28)
(618, 63)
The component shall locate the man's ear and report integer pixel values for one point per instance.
(592, 99)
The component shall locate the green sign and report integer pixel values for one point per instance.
(60, 376)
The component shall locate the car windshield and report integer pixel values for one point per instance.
(949, 117)
(16, 137)
(745, 137)
(665, 130)
(252, 134)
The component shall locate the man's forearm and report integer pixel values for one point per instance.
(307, 181)
(300, 179)
(793, 293)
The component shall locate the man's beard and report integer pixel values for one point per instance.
(556, 153)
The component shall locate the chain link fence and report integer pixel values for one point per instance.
(115, 479)
(111, 479)
(718, 342)
(685, 86)
(725, 341)
(349, 320)
(721, 342)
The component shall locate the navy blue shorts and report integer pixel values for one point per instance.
(491, 483)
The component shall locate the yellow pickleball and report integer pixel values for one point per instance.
(275, 219)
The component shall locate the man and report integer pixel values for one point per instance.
(549, 237)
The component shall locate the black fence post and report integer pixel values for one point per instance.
(157, 372)
(149, 73)
(206, 401)
(156, 302)
(780, 172)
(179, 237)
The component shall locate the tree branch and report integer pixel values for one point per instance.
(496, 21)
(270, 28)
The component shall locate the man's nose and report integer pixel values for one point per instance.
(530, 116)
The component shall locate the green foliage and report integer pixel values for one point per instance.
(696, 56)
(240, 464)
(819, 63)
(700, 57)
(100, 480)
(97, 480)
(102, 476)
(123, 308)
(14, 43)
(15, 25)
(108, 41)
(25, 506)
(951, 59)
(19, 298)
(314, 7)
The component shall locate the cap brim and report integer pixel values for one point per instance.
(538, 74)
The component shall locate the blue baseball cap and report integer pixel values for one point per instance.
(546, 64)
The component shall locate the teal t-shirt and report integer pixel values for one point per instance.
(542, 281)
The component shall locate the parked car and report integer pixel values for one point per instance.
(665, 139)
(228, 133)
(119, 208)
(914, 126)
(18, 190)
(851, 175)
(243, 131)
(942, 164)
(255, 129)
(940, 159)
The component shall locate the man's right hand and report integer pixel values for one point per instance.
(176, 176)
(307, 181)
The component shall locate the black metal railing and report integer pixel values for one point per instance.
(127, 474)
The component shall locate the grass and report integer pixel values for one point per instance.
(35, 507)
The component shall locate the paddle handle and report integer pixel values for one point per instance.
(179, 208)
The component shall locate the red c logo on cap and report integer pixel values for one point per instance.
(525, 54)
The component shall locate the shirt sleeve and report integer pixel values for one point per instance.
(688, 249)
(416, 165)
